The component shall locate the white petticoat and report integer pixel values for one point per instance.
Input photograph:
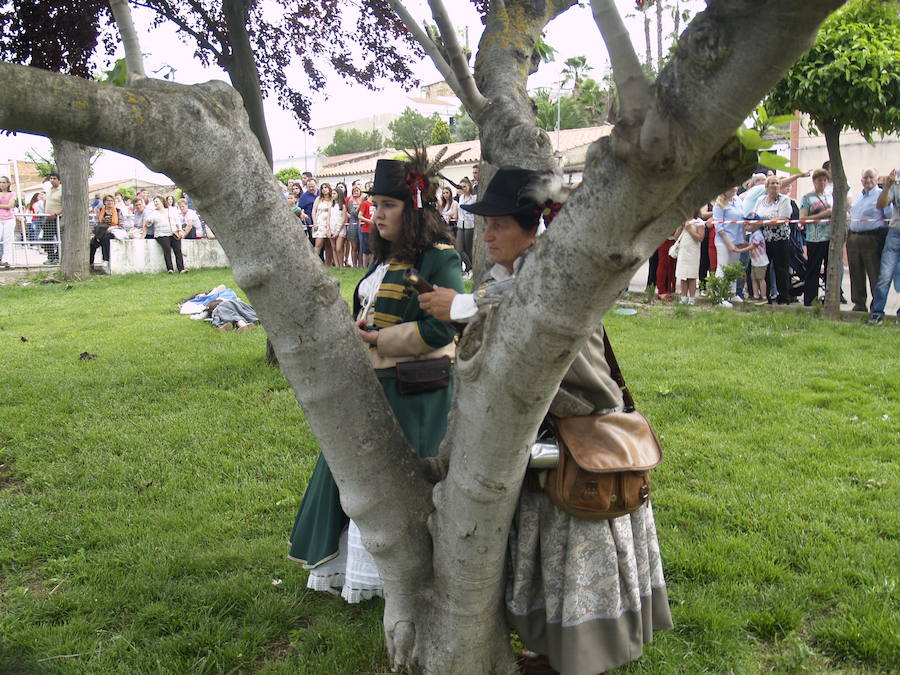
(352, 574)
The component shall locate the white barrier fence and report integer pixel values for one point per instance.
(35, 241)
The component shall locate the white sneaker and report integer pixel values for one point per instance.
(684, 300)
(690, 301)
(737, 298)
(467, 276)
(726, 304)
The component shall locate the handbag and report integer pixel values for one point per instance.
(424, 375)
(604, 460)
(674, 248)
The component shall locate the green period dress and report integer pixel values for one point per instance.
(423, 417)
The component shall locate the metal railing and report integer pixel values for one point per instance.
(35, 240)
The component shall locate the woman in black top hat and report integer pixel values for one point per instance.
(408, 232)
(584, 595)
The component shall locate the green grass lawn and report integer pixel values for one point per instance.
(146, 494)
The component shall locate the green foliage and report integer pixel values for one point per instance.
(144, 507)
(118, 75)
(440, 133)
(43, 165)
(126, 192)
(754, 138)
(411, 129)
(574, 71)
(543, 51)
(718, 288)
(347, 141)
(287, 174)
(464, 127)
(570, 113)
(592, 100)
(850, 77)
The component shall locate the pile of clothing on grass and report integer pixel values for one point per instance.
(222, 307)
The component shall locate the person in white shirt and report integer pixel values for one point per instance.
(189, 221)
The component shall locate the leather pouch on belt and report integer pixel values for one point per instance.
(424, 375)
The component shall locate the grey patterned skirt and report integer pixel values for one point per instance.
(586, 593)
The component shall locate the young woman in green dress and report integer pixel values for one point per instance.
(408, 232)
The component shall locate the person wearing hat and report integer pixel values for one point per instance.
(583, 595)
(408, 232)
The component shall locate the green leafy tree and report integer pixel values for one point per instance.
(570, 114)
(287, 174)
(464, 127)
(126, 192)
(440, 133)
(347, 141)
(592, 101)
(848, 79)
(576, 67)
(411, 129)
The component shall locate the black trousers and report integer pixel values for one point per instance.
(170, 244)
(704, 259)
(864, 260)
(816, 254)
(100, 241)
(652, 264)
(50, 233)
(779, 253)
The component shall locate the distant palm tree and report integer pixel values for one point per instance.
(570, 114)
(575, 69)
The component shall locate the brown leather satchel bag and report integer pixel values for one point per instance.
(604, 460)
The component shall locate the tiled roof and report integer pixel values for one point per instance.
(28, 174)
(129, 182)
(568, 140)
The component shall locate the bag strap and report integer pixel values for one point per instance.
(616, 373)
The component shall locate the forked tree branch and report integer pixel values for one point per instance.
(468, 90)
(632, 84)
(168, 12)
(243, 72)
(134, 59)
(427, 44)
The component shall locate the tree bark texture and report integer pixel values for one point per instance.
(243, 72)
(73, 164)
(441, 552)
(659, 35)
(832, 133)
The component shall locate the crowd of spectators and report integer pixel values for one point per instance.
(339, 224)
(165, 218)
(782, 245)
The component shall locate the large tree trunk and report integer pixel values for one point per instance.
(835, 269)
(73, 163)
(441, 552)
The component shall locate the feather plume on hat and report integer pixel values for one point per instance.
(419, 162)
(544, 186)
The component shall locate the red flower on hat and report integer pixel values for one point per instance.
(548, 210)
(417, 182)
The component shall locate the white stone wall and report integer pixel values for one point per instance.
(144, 256)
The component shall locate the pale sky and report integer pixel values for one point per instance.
(572, 34)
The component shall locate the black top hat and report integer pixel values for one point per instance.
(505, 194)
(390, 179)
